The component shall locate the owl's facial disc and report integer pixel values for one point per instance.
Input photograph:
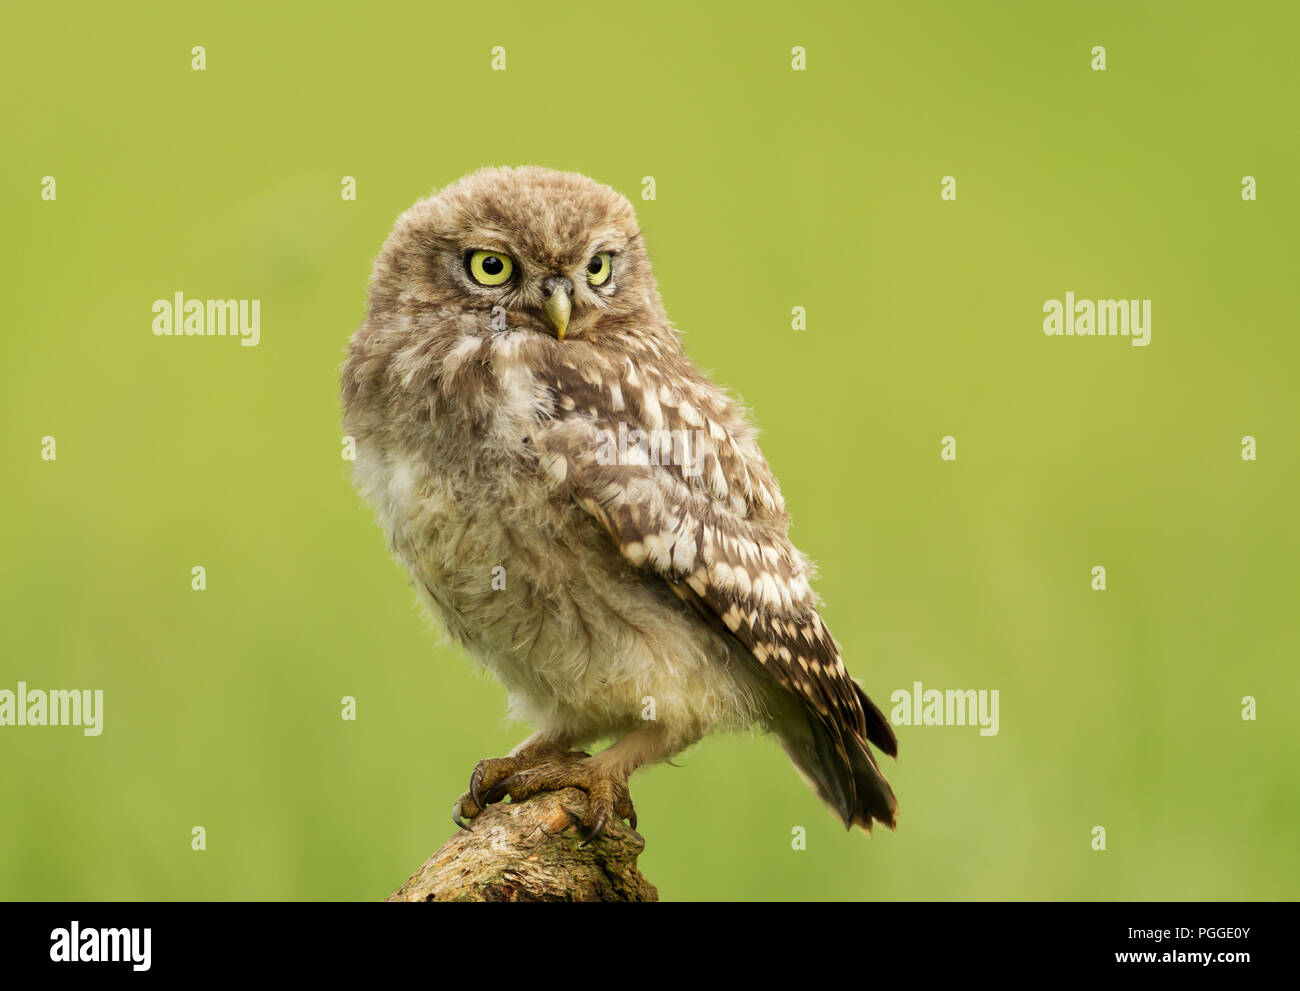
(557, 290)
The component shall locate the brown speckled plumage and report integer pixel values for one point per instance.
(483, 442)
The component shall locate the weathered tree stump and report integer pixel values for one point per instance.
(532, 852)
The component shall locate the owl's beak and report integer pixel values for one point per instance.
(557, 309)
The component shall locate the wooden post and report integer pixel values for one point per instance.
(532, 852)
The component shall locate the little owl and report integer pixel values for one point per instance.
(584, 510)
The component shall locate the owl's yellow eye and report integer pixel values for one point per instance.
(598, 269)
(490, 268)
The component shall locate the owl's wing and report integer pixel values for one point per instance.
(697, 504)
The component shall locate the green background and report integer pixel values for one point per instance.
(775, 189)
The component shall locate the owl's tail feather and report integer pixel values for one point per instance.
(879, 731)
(839, 767)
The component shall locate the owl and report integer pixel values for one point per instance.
(587, 513)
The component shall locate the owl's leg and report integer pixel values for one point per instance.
(603, 777)
(483, 782)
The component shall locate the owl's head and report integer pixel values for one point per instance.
(551, 252)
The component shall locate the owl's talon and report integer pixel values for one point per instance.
(465, 807)
(475, 786)
(485, 779)
(534, 770)
(488, 781)
(593, 833)
(607, 793)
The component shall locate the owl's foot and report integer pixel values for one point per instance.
(521, 777)
(608, 797)
(489, 773)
